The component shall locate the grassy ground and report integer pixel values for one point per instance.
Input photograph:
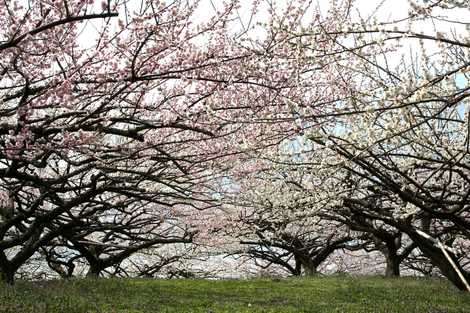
(322, 294)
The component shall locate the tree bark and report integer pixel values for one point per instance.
(8, 276)
(392, 268)
(309, 268)
(298, 266)
(390, 251)
(94, 271)
(7, 270)
(437, 258)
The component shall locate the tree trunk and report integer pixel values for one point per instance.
(308, 266)
(392, 259)
(94, 271)
(70, 268)
(298, 266)
(7, 276)
(393, 266)
(437, 258)
(310, 270)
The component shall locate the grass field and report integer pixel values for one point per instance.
(322, 294)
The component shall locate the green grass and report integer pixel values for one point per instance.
(319, 295)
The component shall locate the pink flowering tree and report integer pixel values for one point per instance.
(118, 118)
(106, 123)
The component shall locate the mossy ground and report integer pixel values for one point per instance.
(319, 295)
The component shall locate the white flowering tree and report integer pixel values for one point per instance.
(402, 127)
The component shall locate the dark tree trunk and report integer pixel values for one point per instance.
(7, 269)
(70, 269)
(437, 258)
(7, 276)
(392, 260)
(392, 268)
(298, 266)
(94, 271)
(308, 266)
(310, 270)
